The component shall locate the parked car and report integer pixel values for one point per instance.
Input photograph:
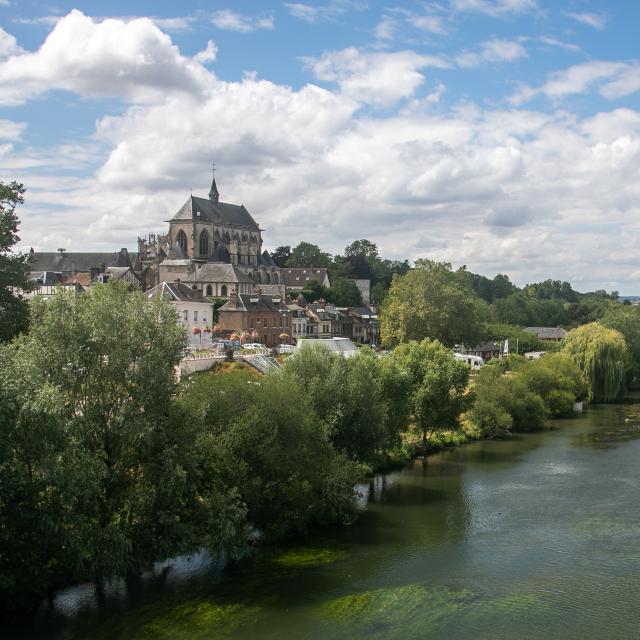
(253, 346)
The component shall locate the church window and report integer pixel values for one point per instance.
(209, 290)
(181, 240)
(204, 243)
(223, 291)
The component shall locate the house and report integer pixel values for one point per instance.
(118, 274)
(486, 350)
(298, 315)
(81, 267)
(47, 283)
(192, 311)
(265, 316)
(366, 328)
(215, 245)
(553, 334)
(296, 279)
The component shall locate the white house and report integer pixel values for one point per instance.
(191, 309)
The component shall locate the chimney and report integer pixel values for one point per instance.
(233, 300)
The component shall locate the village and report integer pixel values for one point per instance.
(229, 293)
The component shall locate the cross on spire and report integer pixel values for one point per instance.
(214, 196)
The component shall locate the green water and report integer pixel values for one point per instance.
(536, 537)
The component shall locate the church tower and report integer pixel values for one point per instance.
(214, 196)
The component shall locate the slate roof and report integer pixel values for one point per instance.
(217, 272)
(547, 333)
(299, 277)
(175, 292)
(257, 303)
(363, 312)
(75, 262)
(216, 212)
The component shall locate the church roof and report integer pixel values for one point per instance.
(217, 272)
(216, 212)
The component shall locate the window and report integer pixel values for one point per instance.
(181, 239)
(204, 243)
(185, 315)
(195, 316)
(250, 323)
(223, 290)
(209, 290)
(275, 321)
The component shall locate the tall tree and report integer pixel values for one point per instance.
(281, 255)
(431, 301)
(14, 268)
(437, 384)
(600, 353)
(308, 255)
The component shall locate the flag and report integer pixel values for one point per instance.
(506, 347)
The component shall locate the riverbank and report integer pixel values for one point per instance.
(492, 540)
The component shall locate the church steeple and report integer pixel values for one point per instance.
(214, 196)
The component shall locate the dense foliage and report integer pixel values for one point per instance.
(601, 354)
(431, 301)
(14, 267)
(524, 396)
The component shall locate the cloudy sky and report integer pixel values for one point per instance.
(500, 134)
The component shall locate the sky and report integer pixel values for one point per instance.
(499, 134)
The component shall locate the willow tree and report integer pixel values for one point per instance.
(601, 355)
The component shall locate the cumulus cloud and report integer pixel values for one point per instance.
(233, 21)
(8, 45)
(535, 194)
(133, 60)
(495, 50)
(596, 20)
(616, 79)
(380, 79)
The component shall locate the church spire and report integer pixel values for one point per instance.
(214, 196)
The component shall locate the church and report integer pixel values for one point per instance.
(212, 246)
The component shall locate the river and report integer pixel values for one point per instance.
(534, 537)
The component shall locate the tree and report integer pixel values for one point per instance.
(14, 268)
(308, 255)
(347, 395)
(364, 248)
(600, 353)
(345, 293)
(91, 425)
(437, 383)
(626, 320)
(279, 456)
(431, 301)
(281, 255)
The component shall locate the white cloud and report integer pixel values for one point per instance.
(616, 79)
(375, 78)
(431, 24)
(8, 45)
(386, 28)
(495, 50)
(10, 130)
(319, 13)
(134, 60)
(233, 21)
(495, 8)
(595, 20)
(534, 194)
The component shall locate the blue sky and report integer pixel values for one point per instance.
(500, 134)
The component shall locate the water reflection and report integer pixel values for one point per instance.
(534, 537)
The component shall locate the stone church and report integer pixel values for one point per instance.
(212, 246)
